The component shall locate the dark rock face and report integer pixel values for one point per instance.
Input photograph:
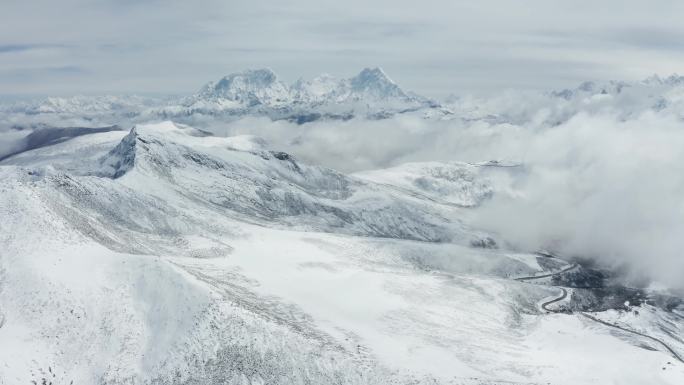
(281, 155)
(121, 158)
(484, 243)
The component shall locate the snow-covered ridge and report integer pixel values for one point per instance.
(242, 178)
(163, 255)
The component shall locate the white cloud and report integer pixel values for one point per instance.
(434, 47)
(598, 185)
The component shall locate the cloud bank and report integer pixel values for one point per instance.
(603, 173)
(596, 186)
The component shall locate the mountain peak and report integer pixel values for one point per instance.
(121, 158)
(263, 76)
(252, 78)
(260, 89)
(375, 75)
(254, 86)
(374, 82)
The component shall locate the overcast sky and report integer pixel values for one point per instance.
(434, 47)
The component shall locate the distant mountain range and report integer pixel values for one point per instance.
(258, 92)
(622, 99)
(371, 94)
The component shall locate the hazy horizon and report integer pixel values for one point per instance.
(435, 48)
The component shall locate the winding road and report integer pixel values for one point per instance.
(564, 294)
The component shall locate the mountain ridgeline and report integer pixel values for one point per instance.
(371, 94)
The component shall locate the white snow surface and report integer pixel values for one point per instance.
(166, 256)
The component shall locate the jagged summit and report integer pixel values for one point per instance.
(260, 86)
(375, 73)
(121, 158)
(374, 81)
(127, 154)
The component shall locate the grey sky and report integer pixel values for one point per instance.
(431, 47)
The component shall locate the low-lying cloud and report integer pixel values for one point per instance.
(596, 186)
(604, 182)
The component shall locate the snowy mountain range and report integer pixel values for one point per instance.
(165, 255)
(371, 93)
(623, 99)
(262, 87)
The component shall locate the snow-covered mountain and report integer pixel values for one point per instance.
(164, 255)
(371, 93)
(625, 100)
(259, 92)
(262, 87)
(248, 88)
(372, 83)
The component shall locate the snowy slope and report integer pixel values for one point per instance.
(163, 255)
(456, 183)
